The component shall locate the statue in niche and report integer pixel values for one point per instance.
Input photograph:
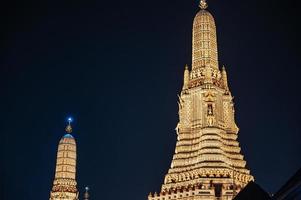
(210, 110)
(210, 115)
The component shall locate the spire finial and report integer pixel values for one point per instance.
(68, 128)
(203, 4)
(86, 195)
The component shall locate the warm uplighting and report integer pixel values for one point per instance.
(207, 163)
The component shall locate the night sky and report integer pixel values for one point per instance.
(117, 67)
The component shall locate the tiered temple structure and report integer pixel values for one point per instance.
(207, 163)
(64, 184)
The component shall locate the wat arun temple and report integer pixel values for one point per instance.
(207, 163)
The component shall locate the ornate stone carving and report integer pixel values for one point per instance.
(207, 154)
(64, 184)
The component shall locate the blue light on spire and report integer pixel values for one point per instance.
(70, 119)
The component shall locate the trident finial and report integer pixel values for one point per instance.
(203, 4)
(69, 128)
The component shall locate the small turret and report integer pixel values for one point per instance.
(225, 79)
(186, 78)
(86, 195)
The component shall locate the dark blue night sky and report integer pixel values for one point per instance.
(117, 67)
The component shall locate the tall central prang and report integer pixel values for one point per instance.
(207, 163)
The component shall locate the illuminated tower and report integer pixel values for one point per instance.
(207, 163)
(64, 184)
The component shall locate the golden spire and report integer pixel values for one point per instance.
(68, 128)
(207, 156)
(204, 40)
(203, 4)
(186, 78)
(64, 184)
